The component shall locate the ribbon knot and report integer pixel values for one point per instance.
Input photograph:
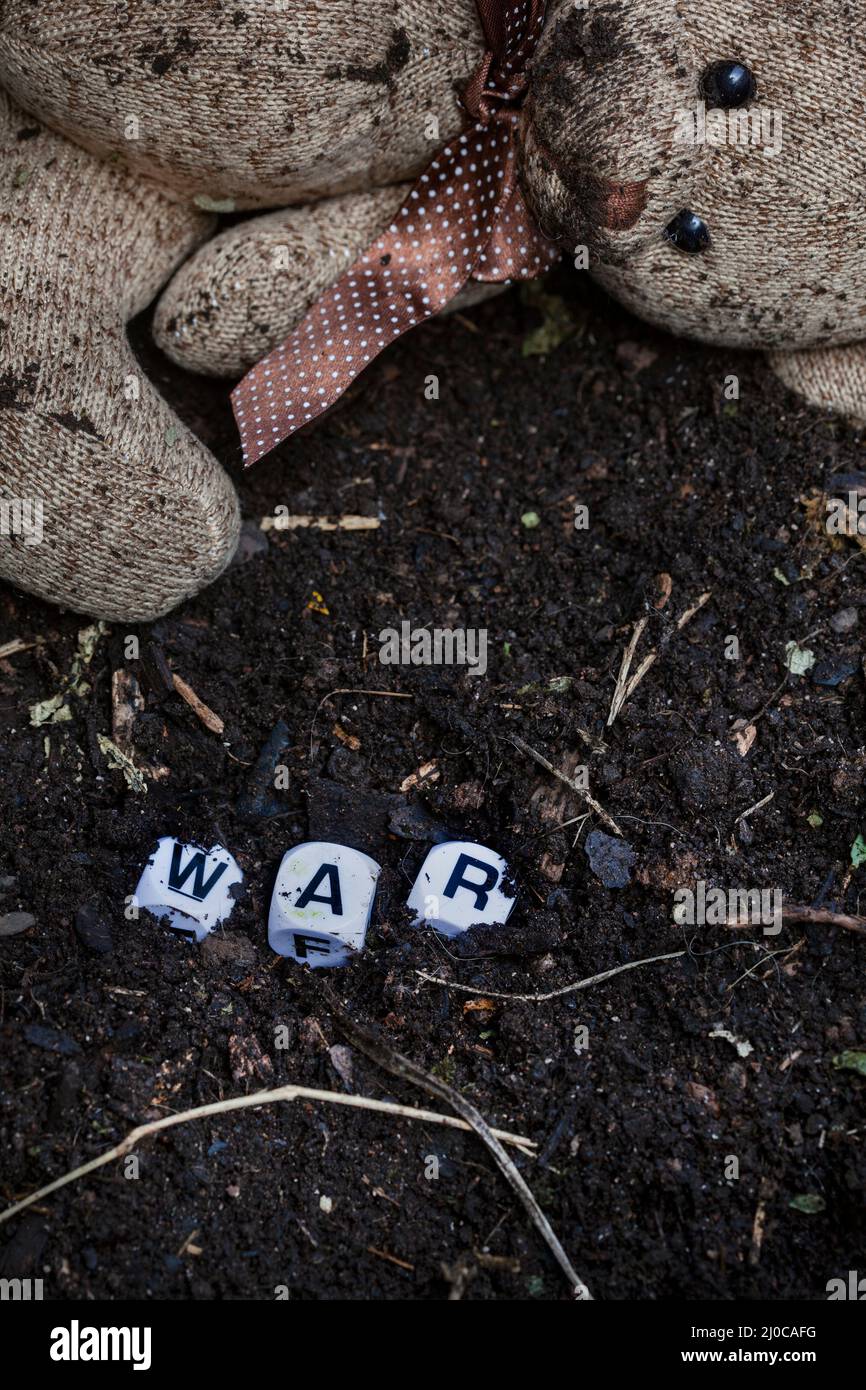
(464, 219)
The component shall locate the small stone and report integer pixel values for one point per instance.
(92, 930)
(410, 820)
(341, 1061)
(51, 1040)
(610, 858)
(833, 671)
(258, 800)
(14, 922)
(844, 620)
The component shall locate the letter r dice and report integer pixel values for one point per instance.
(322, 903)
(460, 886)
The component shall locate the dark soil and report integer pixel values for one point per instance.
(107, 1022)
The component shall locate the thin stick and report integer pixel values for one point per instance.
(554, 993)
(15, 646)
(358, 690)
(401, 1066)
(221, 1107)
(625, 688)
(206, 715)
(569, 782)
(797, 912)
(346, 522)
(757, 806)
(621, 688)
(765, 1192)
(771, 955)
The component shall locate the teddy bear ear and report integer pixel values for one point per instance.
(612, 89)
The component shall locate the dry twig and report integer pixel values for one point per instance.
(347, 522)
(798, 912)
(569, 782)
(625, 685)
(222, 1107)
(621, 689)
(398, 1065)
(554, 993)
(765, 1192)
(206, 715)
(744, 815)
(14, 647)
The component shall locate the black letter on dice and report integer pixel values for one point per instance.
(333, 899)
(480, 890)
(318, 945)
(177, 876)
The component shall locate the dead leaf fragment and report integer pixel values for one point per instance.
(664, 586)
(703, 1095)
(743, 734)
(116, 759)
(427, 772)
(317, 604)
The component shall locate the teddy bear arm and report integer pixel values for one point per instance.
(832, 378)
(109, 505)
(243, 292)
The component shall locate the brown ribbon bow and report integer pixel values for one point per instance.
(464, 219)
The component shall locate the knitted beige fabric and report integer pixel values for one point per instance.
(262, 103)
(830, 378)
(135, 513)
(243, 293)
(787, 264)
(259, 102)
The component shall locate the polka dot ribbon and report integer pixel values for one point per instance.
(464, 219)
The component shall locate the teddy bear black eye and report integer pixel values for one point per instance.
(728, 84)
(688, 232)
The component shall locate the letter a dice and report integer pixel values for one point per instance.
(322, 903)
(461, 885)
(191, 886)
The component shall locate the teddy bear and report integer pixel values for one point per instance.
(703, 161)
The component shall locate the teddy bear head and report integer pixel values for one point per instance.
(708, 161)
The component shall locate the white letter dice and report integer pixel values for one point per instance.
(189, 885)
(322, 903)
(460, 886)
